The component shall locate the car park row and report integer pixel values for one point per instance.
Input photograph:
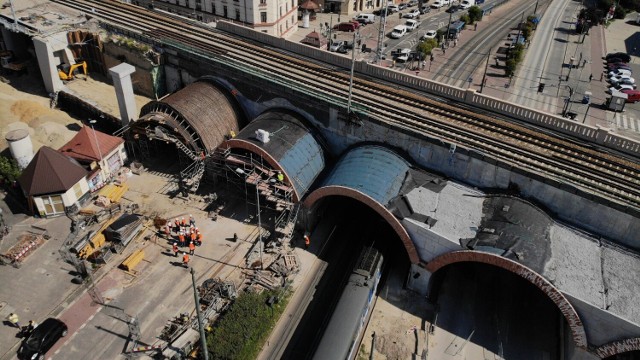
(619, 74)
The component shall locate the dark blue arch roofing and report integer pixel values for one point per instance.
(374, 170)
(291, 144)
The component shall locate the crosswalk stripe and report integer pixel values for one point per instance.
(627, 122)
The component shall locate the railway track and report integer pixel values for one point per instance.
(556, 158)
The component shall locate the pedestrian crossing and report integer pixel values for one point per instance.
(627, 122)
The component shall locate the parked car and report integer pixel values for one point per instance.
(437, 4)
(615, 60)
(392, 9)
(424, 9)
(335, 45)
(365, 18)
(346, 26)
(453, 8)
(626, 80)
(412, 24)
(403, 6)
(412, 3)
(620, 87)
(399, 31)
(614, 66)
(431, 34)
(41, 339)
(402, 55)
(632, 95)
(619, 72)
(620, 55)
(412, 14)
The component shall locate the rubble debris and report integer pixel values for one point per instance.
(285, 265)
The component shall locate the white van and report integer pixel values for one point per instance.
(465, 4)
(365, 18)
(399, 31)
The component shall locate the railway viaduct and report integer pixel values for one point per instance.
(446, 201)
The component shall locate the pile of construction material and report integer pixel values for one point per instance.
(285, 265)
(26, 245)
(212, 289)
(261, 280)
(123, 230)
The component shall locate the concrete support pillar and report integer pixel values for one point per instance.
(121, 75)
(48, 65)
(418, 279)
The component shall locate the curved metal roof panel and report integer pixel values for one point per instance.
(371, 169)
(206, 109)
(291, 144)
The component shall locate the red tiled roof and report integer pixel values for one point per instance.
(50, 172)
(83, 146)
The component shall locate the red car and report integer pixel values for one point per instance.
(632, 95)
(347, 26)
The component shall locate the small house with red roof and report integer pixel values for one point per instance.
(54, 183)
(101, 154)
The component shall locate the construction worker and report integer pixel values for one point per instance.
(194, 236)
(14, 320)
(185, 259)
(176, 249)
(167, 231)
(280, 176)
(181, 239)
(192, 248)
(176, 226)
(192, 221)
(307, 241)
(199, 240)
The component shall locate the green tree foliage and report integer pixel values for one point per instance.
(426, 47)
(510, 69)
(466, 19)
(243, 329)
(9, 170)
(475, 14)
(527, 30)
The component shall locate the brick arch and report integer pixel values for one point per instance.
(575, 324)
(618, 347)
(336, 190)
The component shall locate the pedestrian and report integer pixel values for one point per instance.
(14, 320)
(601, 75)
(167, 231)
(393, 63)
(192, 221)
(176, 249)
(307, 241)
(30, 327)
(590, 77)
(455, 42)
(424, 64)
(475, 27)
(192, 248)
(185, 259)
(181, 239)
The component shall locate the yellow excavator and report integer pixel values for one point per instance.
(69, 72)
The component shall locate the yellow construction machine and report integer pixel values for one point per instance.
(69, 72)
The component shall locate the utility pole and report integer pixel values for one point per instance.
(484, 76)
(259, 226)
(383, 23)
(535, 10)
(449, 26)
(353, 63)
(203, 339)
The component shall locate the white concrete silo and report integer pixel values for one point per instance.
(20, 146)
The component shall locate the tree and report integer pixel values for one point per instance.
(427, 46)
(475, 13)
(466, 19)
(9, 169)
(526, 31)
(510, 68)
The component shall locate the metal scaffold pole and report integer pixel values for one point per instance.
(203, 339)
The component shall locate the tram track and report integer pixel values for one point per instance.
(562, 159)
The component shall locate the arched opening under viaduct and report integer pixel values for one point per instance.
(498, 285)
(628, 349)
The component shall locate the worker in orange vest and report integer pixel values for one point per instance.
(185, 259)
(176, 250)
(176, 226)
(199, 241)
(181, 239)
(193, 236)
(192, 248)
(307, 241)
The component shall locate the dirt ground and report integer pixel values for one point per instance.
(24, 104)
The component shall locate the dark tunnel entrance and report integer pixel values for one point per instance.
(486, 309)
(343, 226)
(630, 355)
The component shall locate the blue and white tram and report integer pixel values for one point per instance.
(345, 329)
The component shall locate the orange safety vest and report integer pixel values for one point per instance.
(193, 236)
(175, 248)
(181, 238)
(184, 222)
(200, 236)
(192, 246)
(307, 241)
(185, 259)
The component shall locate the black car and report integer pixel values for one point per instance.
(453, 8)
(42, 339)
(620, 55)
(613, 60)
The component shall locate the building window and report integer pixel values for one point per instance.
(224, 11)
(263, 17)
(293, 4)
(287, 25)
(263, 2)
(237, 14)
(280, 9)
